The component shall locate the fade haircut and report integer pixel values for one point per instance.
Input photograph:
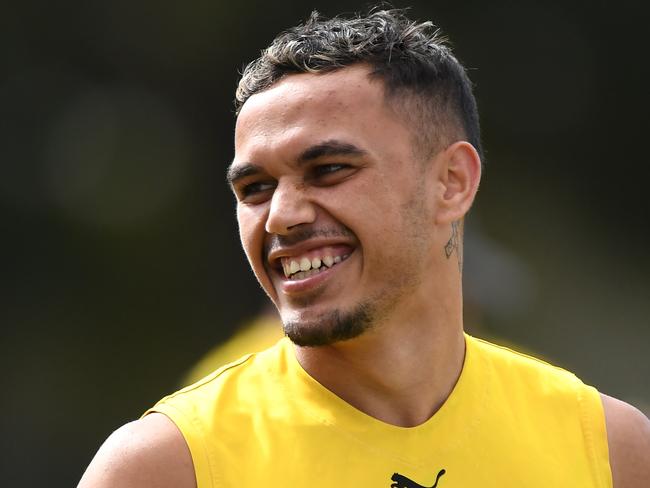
(423, 81)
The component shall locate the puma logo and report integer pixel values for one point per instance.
(402, 481)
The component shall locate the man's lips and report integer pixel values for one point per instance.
(301, 261)
(303, 281)
(303, 267)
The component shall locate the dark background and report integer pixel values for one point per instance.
(121, 264)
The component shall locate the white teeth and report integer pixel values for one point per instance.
(301, 275)
(303, 268)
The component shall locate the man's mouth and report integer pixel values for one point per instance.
(313, 262)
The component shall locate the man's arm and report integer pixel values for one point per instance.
(628, 435)
(149, 452)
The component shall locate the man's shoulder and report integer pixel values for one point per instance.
(237, 380)
(625, 428)
(250, 363)
(628, 434)
(548, 392)
(517, 363)
(147, 452)
(157, 449)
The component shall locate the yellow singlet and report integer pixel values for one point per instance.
(511, 421)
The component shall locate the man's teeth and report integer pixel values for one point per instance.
(303, 268)
(301, 275)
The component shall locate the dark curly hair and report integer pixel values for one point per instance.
(422, 79)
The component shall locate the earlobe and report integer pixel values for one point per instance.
(460, 174)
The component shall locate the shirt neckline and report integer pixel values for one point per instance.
(453, 423)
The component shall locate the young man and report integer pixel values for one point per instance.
(357, 155)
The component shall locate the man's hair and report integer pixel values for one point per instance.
(423, 81)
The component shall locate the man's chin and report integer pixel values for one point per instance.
(328, 327)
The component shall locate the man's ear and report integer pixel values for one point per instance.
(459, 174)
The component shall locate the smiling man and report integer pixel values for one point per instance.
(357, 156)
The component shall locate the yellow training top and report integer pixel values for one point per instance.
(511, 421)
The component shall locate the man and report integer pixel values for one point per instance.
(357, 156)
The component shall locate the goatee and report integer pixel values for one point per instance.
(330, 327)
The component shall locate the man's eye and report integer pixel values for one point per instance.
(255, 190)
(326, 169)
(331, 174)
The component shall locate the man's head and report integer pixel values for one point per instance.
(347, 213)
(422, 78)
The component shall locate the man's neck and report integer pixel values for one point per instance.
(400, 374)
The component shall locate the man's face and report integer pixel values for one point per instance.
(335, 213)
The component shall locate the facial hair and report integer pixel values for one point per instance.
(331, 327)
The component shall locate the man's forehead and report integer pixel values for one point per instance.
(304, 110)
(342, 90)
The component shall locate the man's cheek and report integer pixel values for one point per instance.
(254, 254)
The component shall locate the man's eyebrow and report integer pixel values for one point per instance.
(330, 148)
(239, 171)
(333, 147)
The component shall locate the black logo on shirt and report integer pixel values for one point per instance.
(402, 481)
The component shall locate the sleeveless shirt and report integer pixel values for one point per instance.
(510, 421)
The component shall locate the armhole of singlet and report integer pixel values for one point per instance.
(192, 433)
(592, 416)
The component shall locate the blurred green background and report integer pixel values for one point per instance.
(121, 264)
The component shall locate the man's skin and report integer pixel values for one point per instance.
(327, 153)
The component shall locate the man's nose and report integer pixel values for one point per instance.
(290, 207)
